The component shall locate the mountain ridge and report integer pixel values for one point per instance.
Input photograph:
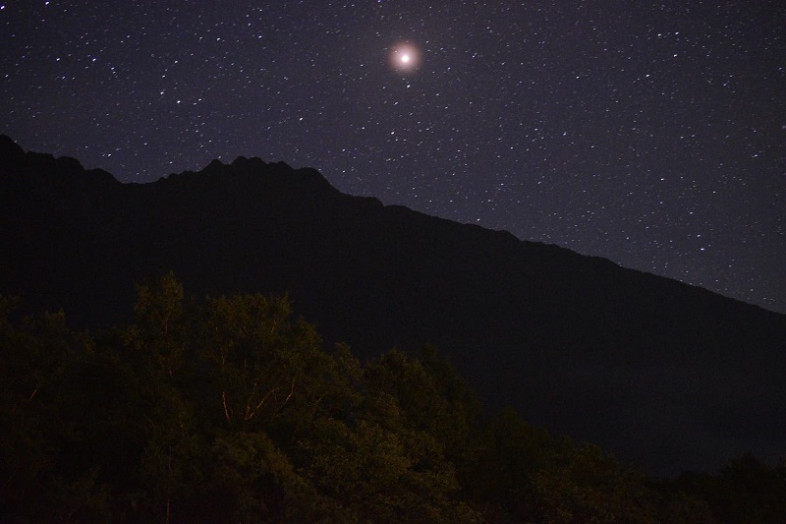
(577, 344)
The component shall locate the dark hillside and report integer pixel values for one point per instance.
(663, 374)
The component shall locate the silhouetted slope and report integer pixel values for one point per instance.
(667, 375)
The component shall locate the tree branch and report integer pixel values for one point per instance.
(226, 408)
(250, 412)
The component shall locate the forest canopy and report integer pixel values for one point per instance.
(230, 408)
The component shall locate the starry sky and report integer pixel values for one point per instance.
(652, 134)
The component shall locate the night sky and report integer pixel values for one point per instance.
(654, 136)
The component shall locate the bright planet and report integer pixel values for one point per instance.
(405, 57)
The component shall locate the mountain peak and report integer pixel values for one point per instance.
(257, 175)
(214, 165)
(10, 152)
(20, 170)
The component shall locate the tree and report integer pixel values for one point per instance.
(42, 413)
(259, 356)
(159, 329)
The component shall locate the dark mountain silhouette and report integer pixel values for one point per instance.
(665, 375)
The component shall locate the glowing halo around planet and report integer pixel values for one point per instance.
(405, 57)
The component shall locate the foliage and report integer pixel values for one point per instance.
(229, 408)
